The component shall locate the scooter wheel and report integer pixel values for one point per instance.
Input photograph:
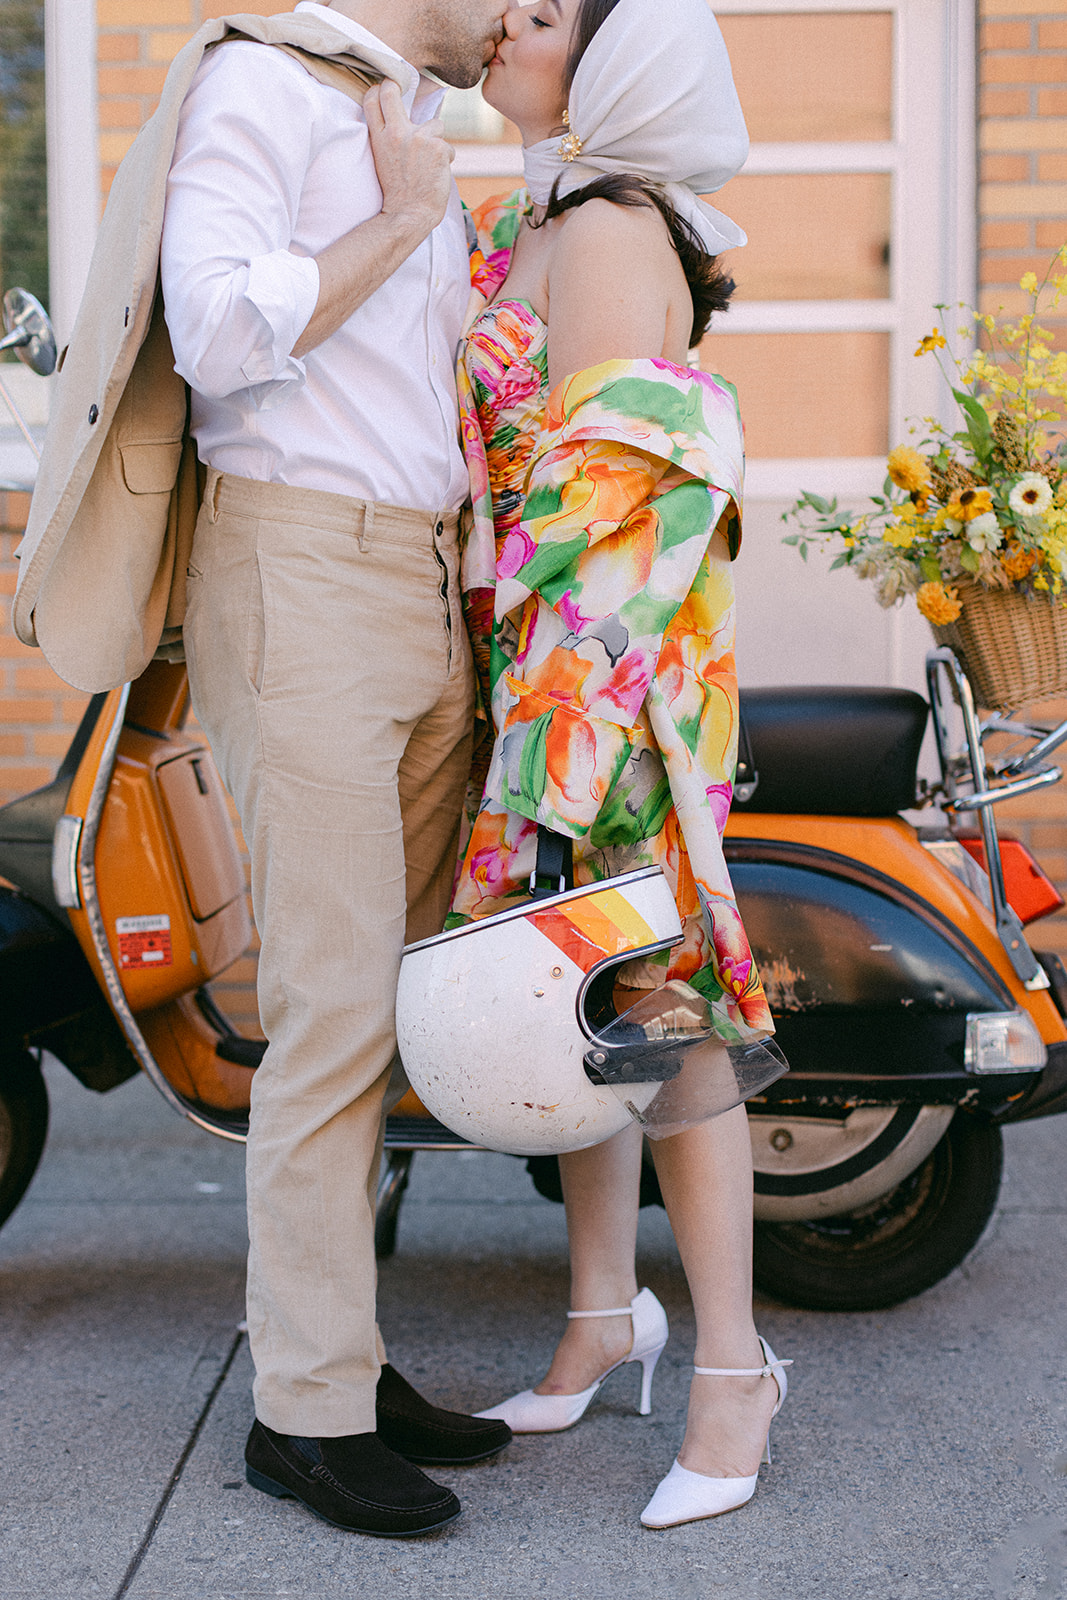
(900, 1245)
(23, 1125)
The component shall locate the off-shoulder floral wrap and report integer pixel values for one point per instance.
(599, 593)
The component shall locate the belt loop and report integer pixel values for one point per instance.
(367, 530)
(212, 493)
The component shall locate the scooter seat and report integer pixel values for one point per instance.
(829, 752)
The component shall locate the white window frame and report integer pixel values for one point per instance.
(73, 153)
(931, 161)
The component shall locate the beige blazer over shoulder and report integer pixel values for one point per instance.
(102, 567)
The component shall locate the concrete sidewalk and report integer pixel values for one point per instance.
(922, 1453)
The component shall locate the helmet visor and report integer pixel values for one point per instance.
(668, 1066)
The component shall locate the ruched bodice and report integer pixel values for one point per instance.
(507, 365)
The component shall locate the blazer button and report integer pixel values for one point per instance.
(94, 415)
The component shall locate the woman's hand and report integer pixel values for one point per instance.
(413, 161)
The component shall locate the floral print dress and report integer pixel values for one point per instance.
(599, 593)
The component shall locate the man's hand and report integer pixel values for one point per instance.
(414, 164)
(414, 170)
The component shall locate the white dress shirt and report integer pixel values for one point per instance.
(270, 168)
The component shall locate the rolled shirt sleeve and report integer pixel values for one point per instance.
(237, 295)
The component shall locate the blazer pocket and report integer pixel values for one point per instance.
(151, 468)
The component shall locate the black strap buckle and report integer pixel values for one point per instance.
(553, 872)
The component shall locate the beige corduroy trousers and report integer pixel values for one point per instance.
(331, 672)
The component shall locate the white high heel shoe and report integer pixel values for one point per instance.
(551, 1413)
(685, 1496)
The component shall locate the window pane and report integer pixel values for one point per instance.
(824, 75)
(811, 237)
(23, 186)
(807, 394)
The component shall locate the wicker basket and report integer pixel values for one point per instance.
(1012, 649)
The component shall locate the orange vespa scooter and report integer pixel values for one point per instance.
(914, 1014)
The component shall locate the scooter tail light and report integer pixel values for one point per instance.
(1003, 1041)
(1030, 893)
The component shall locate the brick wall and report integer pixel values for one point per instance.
(137, 41)
(38, 711)
(1022, 207)
(1022, 137)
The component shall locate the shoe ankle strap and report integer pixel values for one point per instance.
(615, 1311)
(742, 1372)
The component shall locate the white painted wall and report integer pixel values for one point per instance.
(799, 623)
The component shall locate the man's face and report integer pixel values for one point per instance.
(459, 38)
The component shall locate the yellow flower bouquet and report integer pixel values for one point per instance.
(976, 514)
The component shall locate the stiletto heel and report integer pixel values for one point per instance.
(685, 1496)
(648, 1368)
(551, 1413)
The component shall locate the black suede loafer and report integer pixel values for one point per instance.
(422, 1432)
(356, 1483)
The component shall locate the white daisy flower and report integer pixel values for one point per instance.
(1031, 495)
(983, 533)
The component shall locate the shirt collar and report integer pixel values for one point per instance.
(418, 90)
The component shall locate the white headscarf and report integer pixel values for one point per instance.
(653, 95)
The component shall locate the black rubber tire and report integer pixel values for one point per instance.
(887, 1252)
(23, 1125)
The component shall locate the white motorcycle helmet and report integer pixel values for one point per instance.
(509, 1035)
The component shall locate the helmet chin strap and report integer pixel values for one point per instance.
(554, 870)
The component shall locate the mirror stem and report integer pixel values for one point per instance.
(6, 395)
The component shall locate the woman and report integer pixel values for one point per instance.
(600, 603)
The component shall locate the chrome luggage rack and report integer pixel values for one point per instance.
(972, 782)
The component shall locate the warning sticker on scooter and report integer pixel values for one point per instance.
(143, 942)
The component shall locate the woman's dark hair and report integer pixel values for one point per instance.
(709, 285)
(592, 15)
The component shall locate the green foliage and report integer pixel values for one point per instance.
(979, 434)
(23, 173)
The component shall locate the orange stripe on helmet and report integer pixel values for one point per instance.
(593, 928)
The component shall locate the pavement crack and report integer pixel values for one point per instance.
(175, 1478)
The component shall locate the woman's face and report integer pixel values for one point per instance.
(525, 81)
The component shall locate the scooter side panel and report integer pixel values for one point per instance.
(889, 847)
(160, 947)
(870, 991)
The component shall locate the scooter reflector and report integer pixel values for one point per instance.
(1030, 893)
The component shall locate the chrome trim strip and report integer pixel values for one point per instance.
(66, 839)
(91, 904)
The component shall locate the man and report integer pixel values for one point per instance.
(314, 274)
